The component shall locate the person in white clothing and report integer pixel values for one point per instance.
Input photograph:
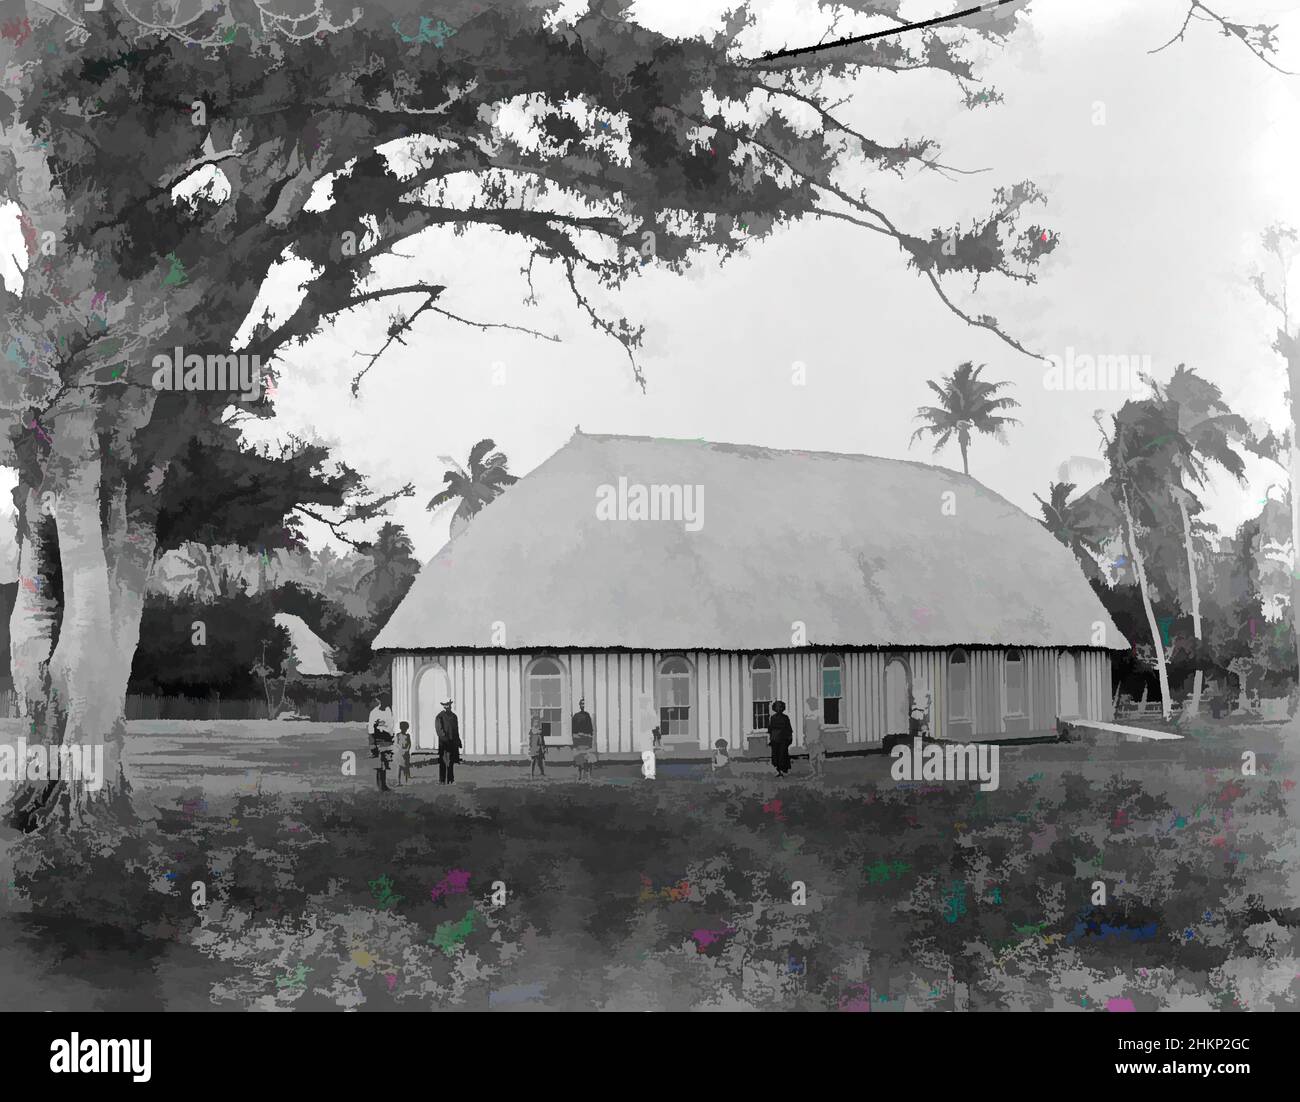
(380, 711)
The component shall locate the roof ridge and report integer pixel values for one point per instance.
(615, 436)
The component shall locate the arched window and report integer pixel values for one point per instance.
(546, 696)
(832, 689)
(675, 698)
(1014, 677)
(959, 685)
(762, 681)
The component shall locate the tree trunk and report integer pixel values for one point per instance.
(130, 546)
(35, 612)
(1197, 681)
(31, 637)
(85, 680)
(1135, 553)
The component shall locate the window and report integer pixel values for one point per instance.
(763, 682)
(545, 696)
(1015, 683)
(832, 689)
(675, 698)
(959, 685)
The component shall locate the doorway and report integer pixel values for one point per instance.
(898, 697)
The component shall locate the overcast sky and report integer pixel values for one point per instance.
(1159, 210)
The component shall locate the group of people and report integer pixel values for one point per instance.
(780, 736)
(385, 743)
(584, 743)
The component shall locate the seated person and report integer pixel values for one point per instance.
(380, 738)
(721, 757)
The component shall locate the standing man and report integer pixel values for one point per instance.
(448, 728)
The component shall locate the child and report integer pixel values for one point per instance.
(404, 750)
(721, 759)
(582, 760)
(536, 748)
(813, 732)
(658, 738)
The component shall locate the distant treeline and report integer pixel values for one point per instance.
(239, 632)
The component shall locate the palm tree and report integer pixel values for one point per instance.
(1137, 485)
(967, 403)
(484, 481)
(1209, 429)
(1066, 523)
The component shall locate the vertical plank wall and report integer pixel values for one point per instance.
(403, 685)
(490, 692)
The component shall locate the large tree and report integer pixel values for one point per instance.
(165, 157)
(1279, 242)
(1138, 450)
(1208, 434)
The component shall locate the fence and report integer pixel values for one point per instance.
(139, 706)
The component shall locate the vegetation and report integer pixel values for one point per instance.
(917, 898)
(484, 481)
(967, 404)
(1138, 539)
(344, 600)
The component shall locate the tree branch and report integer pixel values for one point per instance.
(395, 332)
(1261, 47)
(989, 5)
(625, 335)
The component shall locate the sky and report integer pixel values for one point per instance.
(1161, 170)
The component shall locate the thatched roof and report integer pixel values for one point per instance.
(315, 658)
(857, 548)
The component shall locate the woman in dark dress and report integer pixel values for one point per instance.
(779, 736)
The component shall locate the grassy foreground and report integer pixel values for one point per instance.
(684, 893)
